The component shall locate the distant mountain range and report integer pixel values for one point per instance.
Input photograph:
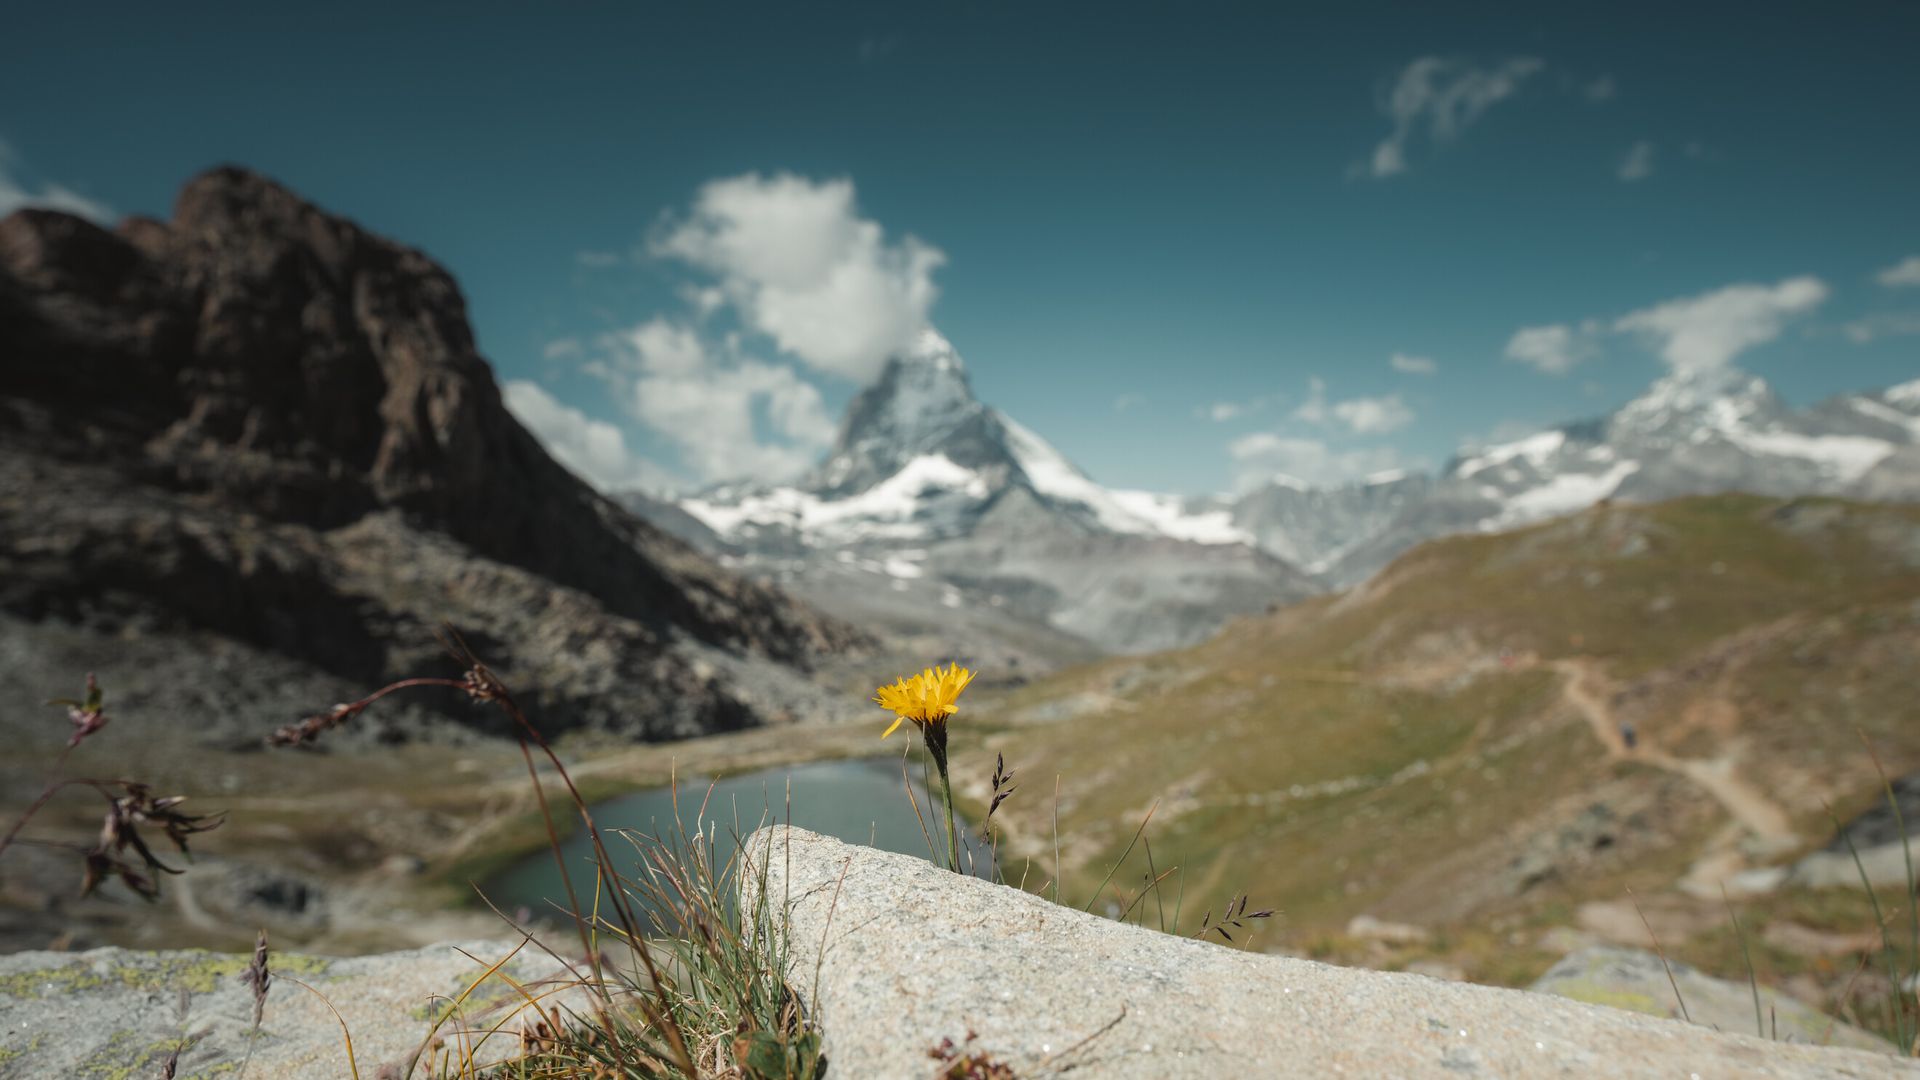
(1690, 434)
(936, 495)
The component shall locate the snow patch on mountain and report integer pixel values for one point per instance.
(908, 504)
(1561, 494)
(1846, 457)
(1169, 515)
(1141, 513)
(1535, 450)
(1907, 394)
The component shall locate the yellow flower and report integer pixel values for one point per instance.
(926, 698)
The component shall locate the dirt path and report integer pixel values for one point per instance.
(1586, 690)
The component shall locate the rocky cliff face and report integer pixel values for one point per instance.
(260, 421)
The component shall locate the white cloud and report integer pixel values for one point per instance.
(1127, 401)
(1314, 409)
(1361, 415)
(1445, 96)
(597, 260)
(16, 193)
(1373, 416)
(1414, 365)
(1905, 272)
(1259, 457)
(1552, 350)
(729, 415)
(1705, 332)
(1637, 164)
(804, 268)
(1600, 89)
(1222, 411)
(561, 349)
(593, 449)
(1872, 328)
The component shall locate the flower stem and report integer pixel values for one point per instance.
(936, 736)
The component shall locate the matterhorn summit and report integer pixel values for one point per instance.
(930, 491)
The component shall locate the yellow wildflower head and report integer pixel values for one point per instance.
(926, 698)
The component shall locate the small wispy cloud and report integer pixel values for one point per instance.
(1637, 164)
(1127, 401)
(562, 349)
(1373, 415)
(1441, 97)
(1600, 89)
(1554, 349)
(1902, 274)
(1313, 410)
(1222, 411)
(597, 260)
(1870, 328)
(16, 193)
(1408, 364)
(1360, 415)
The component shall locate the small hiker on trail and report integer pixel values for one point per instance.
(1628, 735)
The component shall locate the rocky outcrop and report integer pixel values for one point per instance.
(259, 420)
(893, 956)
(1641, 982)
(140, 1007)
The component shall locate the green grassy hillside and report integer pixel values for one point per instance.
(1442, 746)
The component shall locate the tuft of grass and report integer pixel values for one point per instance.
(672, 979)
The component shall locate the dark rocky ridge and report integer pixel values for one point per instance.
(260, 420)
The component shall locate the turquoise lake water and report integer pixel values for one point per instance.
(862, 801)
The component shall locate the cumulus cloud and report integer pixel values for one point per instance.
(595, 450)
(1637, 164)
(1555, 349)
(1414, 365)
(730, 415)
(1260, 457)
(1442, 97)
(16, 193)
(1705, 332)
(1903, 273)
(802, 266)
(1373, 416)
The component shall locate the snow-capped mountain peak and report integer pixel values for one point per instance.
(1692, 404)
(922, 403)
(919, 458)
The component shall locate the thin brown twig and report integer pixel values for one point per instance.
(1671, 981)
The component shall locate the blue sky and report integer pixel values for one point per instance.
(687, 232)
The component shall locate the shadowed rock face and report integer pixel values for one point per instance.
(193, 411)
